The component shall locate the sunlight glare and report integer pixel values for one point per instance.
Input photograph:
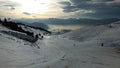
(34, 6)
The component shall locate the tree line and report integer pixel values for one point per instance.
(14, 26)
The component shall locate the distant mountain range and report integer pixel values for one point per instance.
(37, 24)
(70, 21)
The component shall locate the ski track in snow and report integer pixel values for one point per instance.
(61, 52)
(14, 54)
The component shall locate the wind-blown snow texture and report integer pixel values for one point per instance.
(77, 49)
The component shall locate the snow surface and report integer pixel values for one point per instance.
(77, 49)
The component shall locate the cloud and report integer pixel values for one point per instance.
(12, 7)
(9, 4)
(103, 0)
(101, 8)
(26, 13)
(65, 3)
(78, 1)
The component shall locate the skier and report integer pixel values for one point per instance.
(102, 44)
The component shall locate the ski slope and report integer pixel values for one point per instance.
(17, 53)
(77, 49)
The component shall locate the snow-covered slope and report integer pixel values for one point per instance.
(88, 52)
(62, 52)
(86, 33)
(107, 34)
(104, 33)
(17, 53)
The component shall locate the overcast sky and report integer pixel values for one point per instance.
(60, 8)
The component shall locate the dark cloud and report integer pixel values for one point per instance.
(65, 3)
(101, 9)
(79, 1)
(26, 13)
(103, 0)
(67, 7)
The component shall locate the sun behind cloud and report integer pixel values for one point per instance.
(34, 6)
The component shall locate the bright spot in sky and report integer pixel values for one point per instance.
(34, 6)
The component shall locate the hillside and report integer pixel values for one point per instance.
(88, 47)
(17, 52)
(25, 32)
(108, 34)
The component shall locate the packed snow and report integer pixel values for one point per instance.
(88, 47)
